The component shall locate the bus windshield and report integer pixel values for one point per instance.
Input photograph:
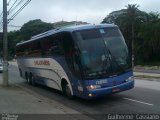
(102, 52)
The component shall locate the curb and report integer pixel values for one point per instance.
(148, 78)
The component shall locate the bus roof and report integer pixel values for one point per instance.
(67, 29)
(88, 26)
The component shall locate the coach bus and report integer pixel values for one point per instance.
(87, 61)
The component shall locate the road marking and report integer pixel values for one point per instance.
(139, 101)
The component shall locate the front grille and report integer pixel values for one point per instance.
(113, 84)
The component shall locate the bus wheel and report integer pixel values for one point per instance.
(32, 80)
(68, 91)
(27, 78)
(20, 72)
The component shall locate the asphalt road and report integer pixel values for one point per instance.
(144, 98)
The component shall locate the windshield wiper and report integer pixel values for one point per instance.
(114, 59)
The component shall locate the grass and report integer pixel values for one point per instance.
(149, 64)
(147, 77)
(148, 67)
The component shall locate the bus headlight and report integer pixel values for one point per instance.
(130, 78)
(92, 87)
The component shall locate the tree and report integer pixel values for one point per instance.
(34, 27)
(28, 30)
(153, 17)
(142, 27)
(126, 19)
(132, 15)
(122, 18)
(148, 41)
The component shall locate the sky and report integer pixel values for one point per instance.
(91, 11)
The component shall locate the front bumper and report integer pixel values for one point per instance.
(92, 94)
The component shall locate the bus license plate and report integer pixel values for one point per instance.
(115, 90)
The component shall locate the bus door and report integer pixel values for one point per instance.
(72, 60)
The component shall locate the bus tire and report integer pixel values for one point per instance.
(32, 80)
(27, 78)
(66, 90)
(20, 72)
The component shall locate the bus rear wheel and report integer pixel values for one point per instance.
(32, 80)
(27, 78)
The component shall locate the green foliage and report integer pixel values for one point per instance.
(146, 28)
(149, 40)
(34, 27)
(28, 30)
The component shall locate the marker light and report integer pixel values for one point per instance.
(92, 87)
(130, 78)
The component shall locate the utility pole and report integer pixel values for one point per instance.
(5, 45)
(133, 56)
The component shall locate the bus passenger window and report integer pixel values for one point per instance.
(53, 46)
(56, 48)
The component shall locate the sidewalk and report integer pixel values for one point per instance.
(146, 73)
(17, 101)
(154, 75)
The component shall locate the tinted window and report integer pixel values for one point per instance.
(22, 50)
(70, 54)
(102, 52)
(34, 49)
(52, 45)
(57, 46)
